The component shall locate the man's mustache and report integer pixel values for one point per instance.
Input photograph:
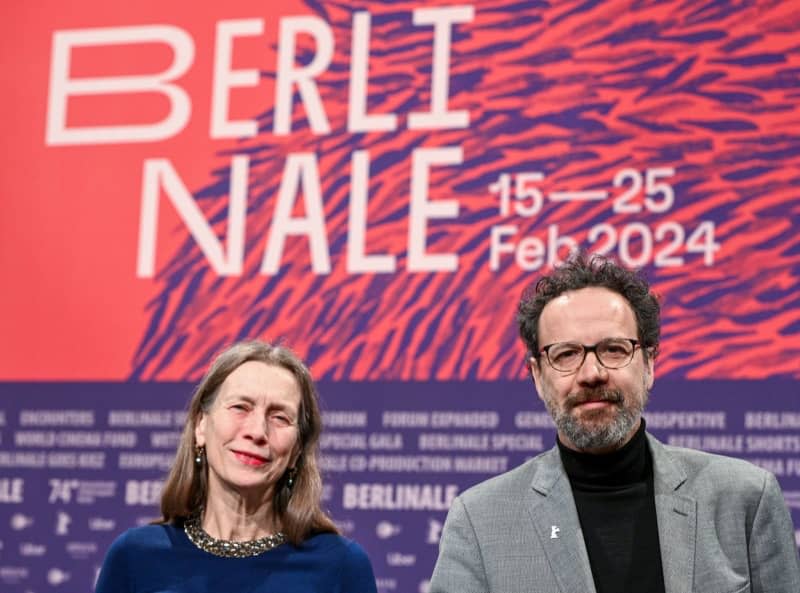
(596, 395)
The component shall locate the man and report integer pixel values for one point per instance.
(610, 509)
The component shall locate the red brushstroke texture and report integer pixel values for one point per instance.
(739, 318)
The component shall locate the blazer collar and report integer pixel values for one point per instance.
(554, 517)
(676, 513)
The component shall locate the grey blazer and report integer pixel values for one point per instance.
(722, 524)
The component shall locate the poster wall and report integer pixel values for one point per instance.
(374, 184)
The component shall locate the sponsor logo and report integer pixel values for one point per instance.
(386, 584)
(398, 559)
(101, 524)
(32, 549)
(434, 531)
(81, 550)
(385, 529)
(19, 521)
(56, 576)
(62, 523)
(13, 574)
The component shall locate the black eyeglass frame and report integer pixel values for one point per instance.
(590, 348)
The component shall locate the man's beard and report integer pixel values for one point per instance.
(592, 430)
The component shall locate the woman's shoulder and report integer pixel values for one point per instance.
(338, 547)
(353, 565)
(333, 542)
(145, 554)
(146, 537)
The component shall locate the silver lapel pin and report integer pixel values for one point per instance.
(554, 529)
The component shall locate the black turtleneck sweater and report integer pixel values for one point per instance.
(616, 507)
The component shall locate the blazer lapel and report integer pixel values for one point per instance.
(555, 521)
(677, 520)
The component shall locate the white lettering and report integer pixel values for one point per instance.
(62, 86)
(357, 118)
(159, 173)
(11, 490)
(312, 225)
(226, 78)
(357, 260)
(143, 492)
(289, 75)
(413, 497)
(421, 210)
(442, 19)
(497, 246)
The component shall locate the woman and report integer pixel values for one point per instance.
(241, 505)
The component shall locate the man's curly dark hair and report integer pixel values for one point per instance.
(581, 271)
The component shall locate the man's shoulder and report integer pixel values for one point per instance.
(508, 485)
(713, 471)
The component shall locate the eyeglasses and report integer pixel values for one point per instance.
(612, 353)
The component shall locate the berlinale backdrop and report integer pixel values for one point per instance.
(374, 183)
